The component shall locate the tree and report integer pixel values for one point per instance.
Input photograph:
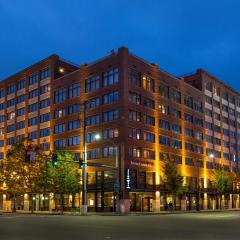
(222, 182)
(65, 176)
(173, 179)
(22, 176)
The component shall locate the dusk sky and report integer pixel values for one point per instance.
(179, 35)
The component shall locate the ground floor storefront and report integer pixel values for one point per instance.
(100, 201)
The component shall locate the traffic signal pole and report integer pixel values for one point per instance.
(84, 171)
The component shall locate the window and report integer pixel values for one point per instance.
(33, 78)
(59, 113)
(11, 102)
(45, 117)
(10, 115)
(90, 137)
(10, 141)
(189, 161)
(92, 84)
(189, 147)
(11, 88)
(188, 118)
(208, 112)
(176, 128)
(163, 109)
(175, 95)
(60, 143)
(45, 146)
(33, 93)
(21, 98)
(1, 143)
(175, 143)
(199, 135)
(231, 99)
(225, 132)
(110, 133)
(149, 120)
(2, 93)
(74, 90)
(199, 149)
(110, 115)
(209, 125)
(73, 124)
(20, 84)
(74, 141)
(93, 153)
(148, 103)
(109, 151)
(177, 159)
(60, 95)
(134, 116)
(44, 89)
(217, 141)
(45, 73)
(134, 152)
(1, 118)
(44, 132)
(10, 128)
(199, 122)
(189, 132)
(164, 124)
(134, 133)
(217, 129)
(33, 135)
(163, 91)
(149, 137)
(209, 86)
(33, 107)
(33, 121)
(163, 140)
(198, 106)
(134, 97)
(148, 83)
(2, 106)
(175, 113)
(92, 120)
(216, 103)
(149, 154)
(75, 108)
(59, 128)
(110, 97)
(188, 101)
(134, 79)
(208, 99)
(45, 103)
(92, 103)
(110, 77)
(216, 91)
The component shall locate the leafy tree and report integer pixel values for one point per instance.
(65, 177)
(222, 182)
(21, 176)
(173, 179)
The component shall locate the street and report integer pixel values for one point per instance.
(222, 225)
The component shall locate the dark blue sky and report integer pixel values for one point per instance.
(179, 35)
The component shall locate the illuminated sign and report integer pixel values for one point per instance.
(127, 179)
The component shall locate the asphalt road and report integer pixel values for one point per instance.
(176, 226)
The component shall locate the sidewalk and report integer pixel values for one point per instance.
(117, 214)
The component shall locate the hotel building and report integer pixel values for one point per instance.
(141, 113)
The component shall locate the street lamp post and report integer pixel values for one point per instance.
(84, 171)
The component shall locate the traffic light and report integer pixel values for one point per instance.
(28, 154)
(81, 164)
(54, 160)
